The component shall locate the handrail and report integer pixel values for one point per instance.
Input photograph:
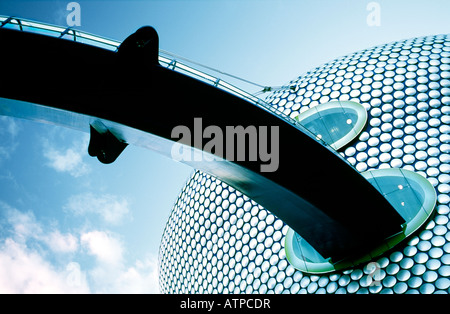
(174, 64)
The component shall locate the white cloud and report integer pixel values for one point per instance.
(110, 208)
(9, 130)
(9, 126)
(111, 275)
(25, 271)
(35, 258)
(140, 278)
(59, 242)
(105, 247)
(25, 227)
(69, 160)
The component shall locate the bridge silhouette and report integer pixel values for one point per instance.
(126, 97)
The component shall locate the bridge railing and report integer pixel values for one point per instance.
(171, 63)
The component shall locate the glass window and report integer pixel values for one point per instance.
(303, 256)
(307, 251)
(410, 194)
(336, 123)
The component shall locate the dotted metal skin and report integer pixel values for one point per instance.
(219, 241)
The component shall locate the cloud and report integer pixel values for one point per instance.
(26, 243)
(140, 278)
(24, 227)
(9, 129)
(110, 208)
(25, 271)
(105, 247)
(9, 126)
(60, 13)
(39, 258)
(69, 160)
(59, 242)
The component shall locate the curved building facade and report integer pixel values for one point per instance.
(217, 240)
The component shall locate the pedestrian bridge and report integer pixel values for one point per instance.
(127, 94)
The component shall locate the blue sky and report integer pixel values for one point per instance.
(71, 224)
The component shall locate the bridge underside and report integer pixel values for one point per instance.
(128, 94)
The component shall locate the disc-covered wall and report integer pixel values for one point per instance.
(219, 241)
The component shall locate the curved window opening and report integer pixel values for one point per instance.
(336, 123)
(304, 257)
(410, 194)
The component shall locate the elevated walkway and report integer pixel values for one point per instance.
(129, 95)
